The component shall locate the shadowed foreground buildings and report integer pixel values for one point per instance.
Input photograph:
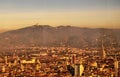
(58, 62)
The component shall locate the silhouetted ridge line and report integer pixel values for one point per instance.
(45, 35)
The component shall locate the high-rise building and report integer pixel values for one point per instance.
(79, 68)
(103, 51)
(116, 66)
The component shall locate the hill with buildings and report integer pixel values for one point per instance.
(45, 35)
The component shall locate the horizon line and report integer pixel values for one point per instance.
(9, 29)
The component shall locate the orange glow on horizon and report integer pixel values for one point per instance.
(92, 19)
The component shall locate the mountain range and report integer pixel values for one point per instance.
(45, 35)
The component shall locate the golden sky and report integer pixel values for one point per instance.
(82, 18)
(83, 13)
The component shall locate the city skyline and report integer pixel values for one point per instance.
(60, 38)
(81, 13)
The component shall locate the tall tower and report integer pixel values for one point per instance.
(109, 39)
(103, 51)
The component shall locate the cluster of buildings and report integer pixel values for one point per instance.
(58, 62)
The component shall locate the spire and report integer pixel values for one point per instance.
(103, 51)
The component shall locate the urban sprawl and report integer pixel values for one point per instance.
(60, 62)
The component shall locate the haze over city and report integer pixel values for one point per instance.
(82, 13)
(59, 38)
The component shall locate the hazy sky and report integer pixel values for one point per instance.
(83, 13)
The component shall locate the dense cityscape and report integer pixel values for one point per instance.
(59, 62)
(59, 38)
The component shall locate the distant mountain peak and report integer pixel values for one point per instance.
(41, 25)
(45, 35)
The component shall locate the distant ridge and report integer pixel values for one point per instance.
(45, 35)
